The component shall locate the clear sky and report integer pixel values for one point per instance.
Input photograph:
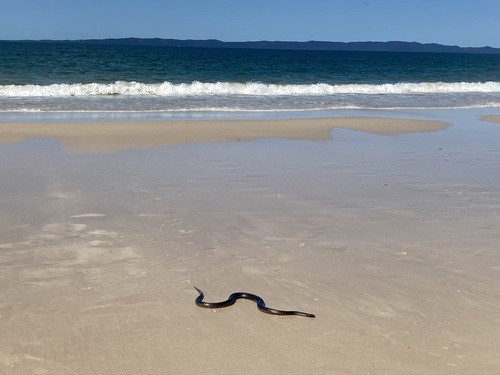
(461, 22)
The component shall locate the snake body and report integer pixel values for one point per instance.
(259, 301)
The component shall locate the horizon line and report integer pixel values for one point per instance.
(245, 41)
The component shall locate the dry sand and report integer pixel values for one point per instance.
(116, 136)
(491, 118)
(391, 241)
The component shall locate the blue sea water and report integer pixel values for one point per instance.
(60, 77)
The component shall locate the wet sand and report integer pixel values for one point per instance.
(389, 234)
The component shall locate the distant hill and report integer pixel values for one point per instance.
(393, 46)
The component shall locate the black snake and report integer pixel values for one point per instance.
(259, 301)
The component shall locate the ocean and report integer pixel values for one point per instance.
(67, 78)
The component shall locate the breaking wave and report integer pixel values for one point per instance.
(122, 88)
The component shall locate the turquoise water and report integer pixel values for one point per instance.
(64, 77)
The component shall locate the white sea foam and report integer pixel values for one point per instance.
(121, 88)
(240, 109)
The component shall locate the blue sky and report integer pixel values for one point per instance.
(461, 22)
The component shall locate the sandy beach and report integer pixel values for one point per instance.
(385, 228)
(117, 136)
(491, 118)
